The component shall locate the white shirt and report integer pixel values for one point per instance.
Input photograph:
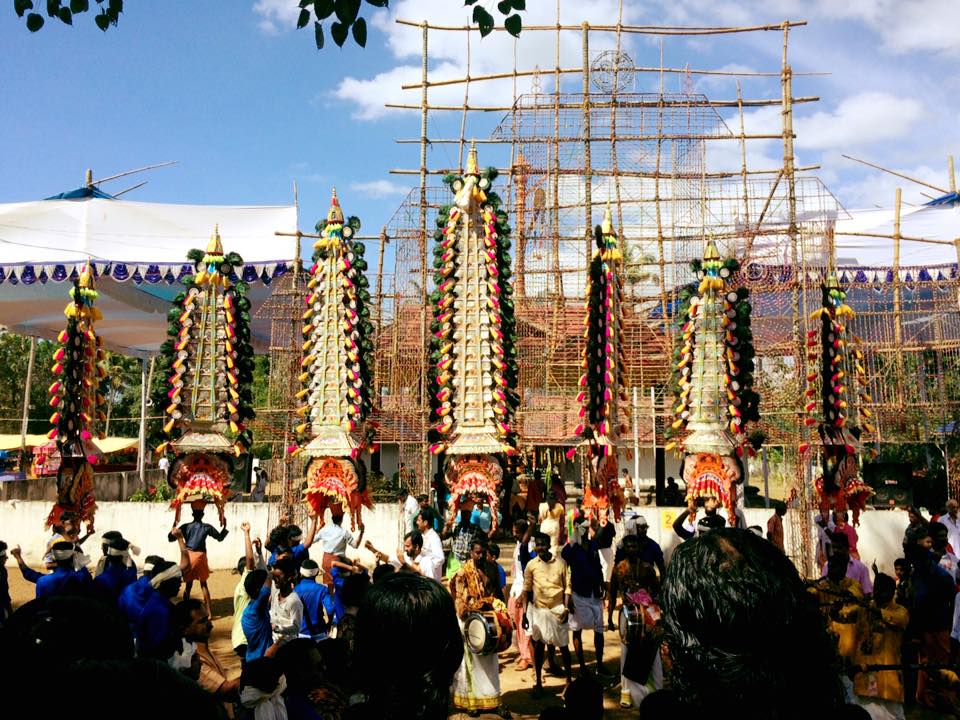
(516, 586)
(335, 539)
(433, 546)
(286, 616)
(429, 566)
(953, 531)
(411, 509)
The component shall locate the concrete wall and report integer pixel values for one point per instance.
(147, 524)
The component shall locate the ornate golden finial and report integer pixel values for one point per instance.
(472, 168)
(606, 227)
(832, 281)
(711, 252)
(215, 247)
(86, 277)
(335, 214)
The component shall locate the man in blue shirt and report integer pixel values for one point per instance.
(116, 569)
(195, 533)
(156, 632)
(65, 578)
(256, 616)
(335, 539)
(317, 602)
(582, 555)
(294, 542)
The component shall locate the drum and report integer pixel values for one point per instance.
(487, 632)
(631, 623)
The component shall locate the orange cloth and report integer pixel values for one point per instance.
(199, 569)
(884, 645)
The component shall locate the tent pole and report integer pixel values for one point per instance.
(142, 452)
(952, 179)
(26, 399)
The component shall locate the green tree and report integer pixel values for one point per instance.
(344, 16)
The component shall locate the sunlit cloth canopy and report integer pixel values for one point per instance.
(940, 221)
(138, 251)
(106, 445)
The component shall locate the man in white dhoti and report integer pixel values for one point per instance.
(547, 593)
(475, 587)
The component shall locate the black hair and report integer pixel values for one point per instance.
(725, 595)
(901, 562)
(426, 514)
(183, 613)
(539, 537)
(521, 525)
(252, 583)
(494, 550)
(554, 712)
(354, 589)
(584, 698)
(241, 564)
(337, 519)
(300, 662)
(402, 493)
(414, 537)
(153, 560)
(286, 565)
(480, 540)
(382, 571)
(400, 612)
(277, 537)
(3, 546)
(263, 673)
(631, 539)
(884, 583)
(293, 531)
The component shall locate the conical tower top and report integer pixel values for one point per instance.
(606, 227)
(335, 214)
(832, 281)
(215, 247)
(711, 252)
(86, 277)
(472, 167)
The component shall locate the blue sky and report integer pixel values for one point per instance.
(247, 105)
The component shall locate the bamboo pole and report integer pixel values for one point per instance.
(897, 308)
(555, 210)
(587, 179)
(613, 138)
(26, 399)
(896, 174)
(424, 388)
(600, 172)
(636, 29)
(576, 70)
(604, 104)
(598, 138)
(908, 238)
(951, 175)
(658, 214)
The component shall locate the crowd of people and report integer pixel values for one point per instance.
(728, 622)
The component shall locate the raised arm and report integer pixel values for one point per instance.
(29, 574)
(312, 533)
(249, 562)
(184, 554)
(355, 541)
(678, 527)
(217, 535)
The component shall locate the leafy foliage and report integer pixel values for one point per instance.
(107, 12)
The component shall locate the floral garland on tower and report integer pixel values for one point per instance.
(603, 394)
(841, 437)
(78, 402)
(335, 426)
(209, 403)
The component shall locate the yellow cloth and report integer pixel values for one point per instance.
(828, 593)
(549, 581)
(887, 635)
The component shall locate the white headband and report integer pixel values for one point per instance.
(309, 572)
(171, 572)
(117, 553)
(147, 567)
(63, 554)
(295, 539)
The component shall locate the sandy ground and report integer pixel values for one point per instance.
(516, 687)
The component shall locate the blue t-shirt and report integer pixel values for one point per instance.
(156, 633)
(115, 578)
(195, 535)
(338, 607)
(256, 625)
(315, 598)
(300, 553)
(133, 598)
(503, 576)
(61, 581)
(586, 576)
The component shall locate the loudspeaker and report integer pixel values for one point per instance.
(242, 470)
(892, 484)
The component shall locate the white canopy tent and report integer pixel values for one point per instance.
(139, 253)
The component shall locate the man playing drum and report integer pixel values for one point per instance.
(635, 583)
(475, 589)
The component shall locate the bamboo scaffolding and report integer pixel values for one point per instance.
(625, 173)
(601, 104)
(637, 29)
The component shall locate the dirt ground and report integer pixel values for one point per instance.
(516, 687)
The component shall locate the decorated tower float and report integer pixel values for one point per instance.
(604, 410)
(713, 383)
(78, 405)
(837, 371)
(335, 427)
(473, 371)
(208, 403)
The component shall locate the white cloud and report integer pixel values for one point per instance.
(276, 15)
(861, 119)
(380, 188)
